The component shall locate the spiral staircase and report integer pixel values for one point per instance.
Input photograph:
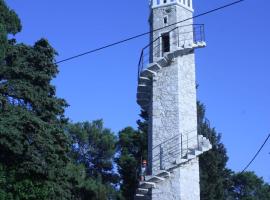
(176, 157)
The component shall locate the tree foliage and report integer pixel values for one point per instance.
(214, 175)
(132, 149)
(9, 24)
(33, 146)
(93, 147)
(248, 186)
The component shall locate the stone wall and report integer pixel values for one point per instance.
(183, 185)
(173, 111)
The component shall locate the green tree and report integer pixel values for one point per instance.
(85, 187)
(33, 146)
(214, 176)
(248, 186)
(9, 24)
(132, 149)
(93, 147)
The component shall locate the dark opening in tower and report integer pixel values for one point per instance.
(165, 42)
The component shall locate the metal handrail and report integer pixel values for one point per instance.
(184, 133)
(143, 61)
(171, 148)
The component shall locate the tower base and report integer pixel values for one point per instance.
(182, 185)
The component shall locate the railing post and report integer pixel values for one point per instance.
(198, 142)
(142, 61)
(194, 34)
(201, 33)
(187, 143)
(181, 146)
(140, 65)
(178, 37)
(161, 158)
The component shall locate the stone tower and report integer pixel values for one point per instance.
(167, 91)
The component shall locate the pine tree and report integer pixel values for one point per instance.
(33, 146)
(214, 176)
(132, 149)
(248, 186)
(9, 24)
(93, 147)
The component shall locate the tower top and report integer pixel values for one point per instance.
(184, 3)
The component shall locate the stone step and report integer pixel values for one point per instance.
(205, 142)
(180, 161)
(163, 62)
(145, 107)
(154, 67)
(143, 88)
(140, 195)
(204, 148)
(156, 179)
(143, 102)
(143, 95)
(147, 185)
(164, 174)
(196, 152)
(189, 156)
(148, 73)
(144, 80)
(201, 44)
(142, 191)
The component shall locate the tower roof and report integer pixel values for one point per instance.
(159, 3)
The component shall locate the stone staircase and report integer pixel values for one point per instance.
(143, 192)
(146, 75)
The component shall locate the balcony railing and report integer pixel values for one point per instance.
(179, 38)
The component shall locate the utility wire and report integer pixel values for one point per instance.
(149, 32)
(267, 138)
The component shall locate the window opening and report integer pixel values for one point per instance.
(165, 20)
(165, 42)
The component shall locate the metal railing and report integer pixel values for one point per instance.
(176, 147)
(179, 37)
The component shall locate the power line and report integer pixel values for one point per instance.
(256, 154)
(149, 32)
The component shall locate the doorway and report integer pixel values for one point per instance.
(165, 42)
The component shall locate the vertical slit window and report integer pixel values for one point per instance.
(165, 20)
(165, 42)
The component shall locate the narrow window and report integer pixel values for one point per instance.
(165, 20)
(165, 42)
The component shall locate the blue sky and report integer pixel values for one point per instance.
(233, 71)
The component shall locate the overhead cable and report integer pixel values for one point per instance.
(258, 152)
(146, 33)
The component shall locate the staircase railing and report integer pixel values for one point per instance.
(179, 37)
(166, 153)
